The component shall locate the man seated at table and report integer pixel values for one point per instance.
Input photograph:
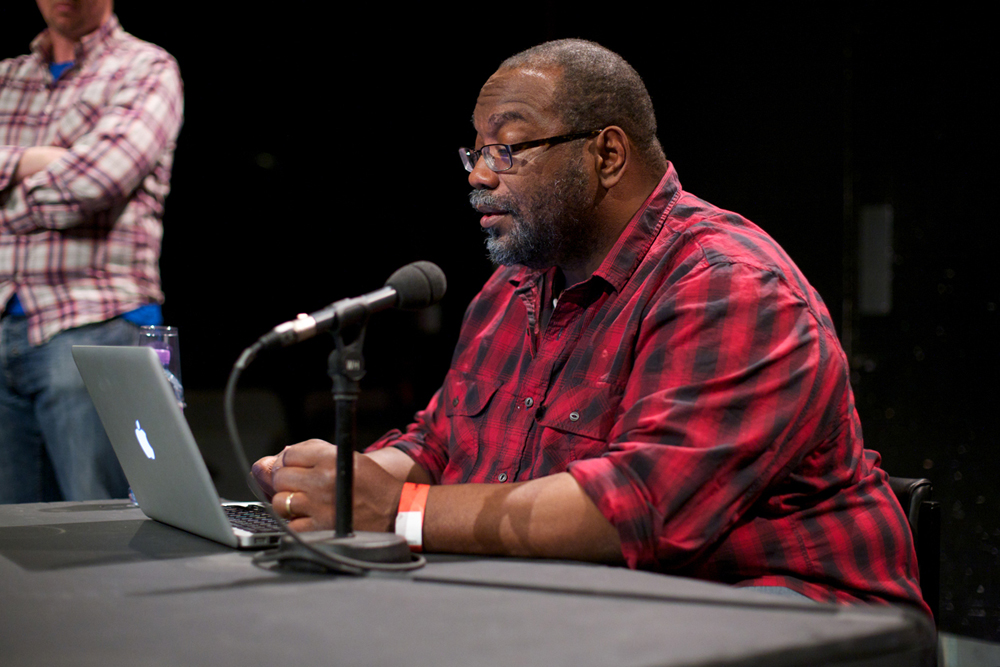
(646, 380)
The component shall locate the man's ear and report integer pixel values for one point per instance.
(613, 153)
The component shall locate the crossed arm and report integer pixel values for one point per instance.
(549, 517)
(102, 163)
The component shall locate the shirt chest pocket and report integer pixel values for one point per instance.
(475, 422)
(76, 121)
(579, 419)
(467, 397)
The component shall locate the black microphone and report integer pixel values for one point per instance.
(412, 287)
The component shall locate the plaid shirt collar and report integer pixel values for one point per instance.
(88, 45)
(632, 245)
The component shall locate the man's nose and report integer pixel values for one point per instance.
(482, 177)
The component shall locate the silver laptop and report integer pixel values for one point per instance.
(157, 451)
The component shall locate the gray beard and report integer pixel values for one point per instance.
(531, 243)
(548, 228)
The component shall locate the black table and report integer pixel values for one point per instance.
(97, 583)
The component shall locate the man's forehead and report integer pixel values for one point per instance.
(514, 95)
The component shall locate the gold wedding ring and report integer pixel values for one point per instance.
(288, 504)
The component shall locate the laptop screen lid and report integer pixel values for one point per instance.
(152, 439)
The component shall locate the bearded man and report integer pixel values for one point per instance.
(648, 380)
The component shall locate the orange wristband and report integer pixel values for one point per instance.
(410, 516)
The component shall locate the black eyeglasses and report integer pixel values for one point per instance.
(499, 156)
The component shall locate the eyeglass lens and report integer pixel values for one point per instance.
(497, 157)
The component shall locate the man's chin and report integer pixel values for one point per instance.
(497, 253)
(500, 252)
(501, 256)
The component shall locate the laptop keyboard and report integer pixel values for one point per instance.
(251, 518)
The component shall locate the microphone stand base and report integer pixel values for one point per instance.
(349, 554)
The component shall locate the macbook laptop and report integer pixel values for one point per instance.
(158, 453)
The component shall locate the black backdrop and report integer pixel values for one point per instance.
(318, 155)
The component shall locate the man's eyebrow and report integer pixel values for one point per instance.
(501, 117)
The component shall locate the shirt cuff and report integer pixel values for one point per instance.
(10, 157)
(411, 444)
(619, 498)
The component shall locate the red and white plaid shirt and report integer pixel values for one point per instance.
(694, 386)
(80, 240)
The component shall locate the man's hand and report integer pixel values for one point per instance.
(35, 159)
(307, 472)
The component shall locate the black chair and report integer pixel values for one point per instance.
(924, 516)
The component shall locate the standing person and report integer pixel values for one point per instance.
(88, 124)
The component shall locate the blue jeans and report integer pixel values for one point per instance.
(52, 443)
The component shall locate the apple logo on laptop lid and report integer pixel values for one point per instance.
(140, 435)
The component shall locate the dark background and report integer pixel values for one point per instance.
(318, 155)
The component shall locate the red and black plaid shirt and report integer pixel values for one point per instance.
(80, 240)
(694, 386)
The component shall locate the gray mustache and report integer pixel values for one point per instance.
(485, 198)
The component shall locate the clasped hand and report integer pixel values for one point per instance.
(301, 484)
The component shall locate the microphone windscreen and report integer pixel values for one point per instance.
(418, 285)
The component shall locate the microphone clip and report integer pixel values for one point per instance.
(346, 364)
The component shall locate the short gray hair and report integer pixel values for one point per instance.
(597, 88)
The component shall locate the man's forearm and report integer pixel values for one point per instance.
(549, 517)
(35, 159)
(399, 465)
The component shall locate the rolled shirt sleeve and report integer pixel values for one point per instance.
(723, 400)
(425, 440)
